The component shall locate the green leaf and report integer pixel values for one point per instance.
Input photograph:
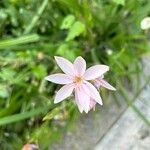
(18, 41)
(119, 2)
(22, 116)
(76, 29)
(36, 17)
(67, 22)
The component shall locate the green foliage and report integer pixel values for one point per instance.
(64, 50)
(21, 40)
(76, 29)
(67, 22)
(121, 2)
(21, 116)
(33, 32)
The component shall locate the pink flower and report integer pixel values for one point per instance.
(30, 147)
(76, 78)
(101, 82)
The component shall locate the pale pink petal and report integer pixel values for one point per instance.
(65, 65)
(80, 65)
(59, 78)
(92, 103)
(96, 83)
(95, 71)
(77, 102)
(34, 146)
(92, 91)
(64, 92)
(105, 84)
(83, 99)
(30, 147)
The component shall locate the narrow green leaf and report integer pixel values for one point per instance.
(18, 41)
(22, 116)
(36, 17)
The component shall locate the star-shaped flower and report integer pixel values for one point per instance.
(77, 79)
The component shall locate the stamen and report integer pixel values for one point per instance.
(78, 79)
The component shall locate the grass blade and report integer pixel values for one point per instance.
(18, 41)
(22, 116)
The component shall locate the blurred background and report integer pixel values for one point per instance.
(32, 32)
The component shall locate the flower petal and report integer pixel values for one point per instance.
(92, 103)
(83, 99)
(95, 71)
(105, 84)
(92, 91)
(64, 92)
(65, 65)
(77, 102)
(30, 147)
(80, 65)
(59, 78)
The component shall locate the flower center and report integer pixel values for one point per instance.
(78, 79)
